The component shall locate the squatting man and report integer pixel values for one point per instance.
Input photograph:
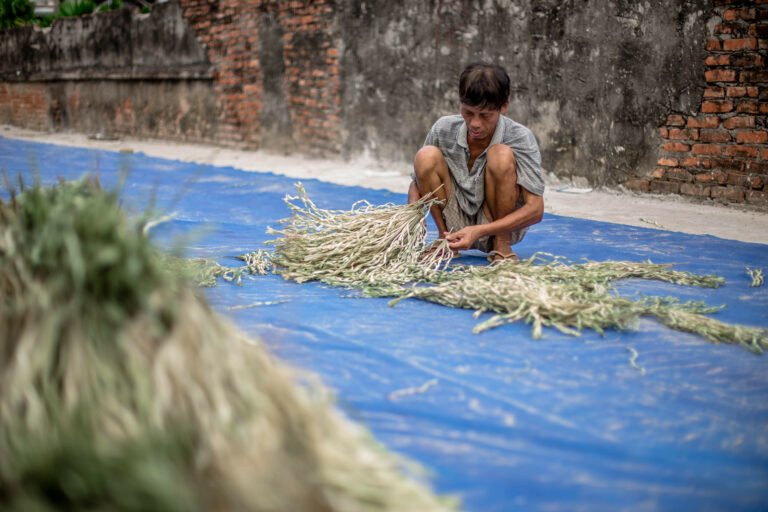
(483, 166)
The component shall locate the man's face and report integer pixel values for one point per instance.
(481, 122)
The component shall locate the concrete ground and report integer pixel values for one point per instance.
(673, 213)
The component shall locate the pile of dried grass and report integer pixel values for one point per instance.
(381, 251)
(572, 297)
(113, 369)
(372, 248)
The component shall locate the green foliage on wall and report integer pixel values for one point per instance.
(16, 13)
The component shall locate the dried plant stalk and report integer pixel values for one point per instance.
(372, 248)
(205, 271)
(756, 275)
(380, 250)
(574, 297)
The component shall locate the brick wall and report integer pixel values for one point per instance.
(229, 29)
(722, 151)
(25, 105)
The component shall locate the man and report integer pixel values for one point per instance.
(485, 167)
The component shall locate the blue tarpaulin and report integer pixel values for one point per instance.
(501, 420)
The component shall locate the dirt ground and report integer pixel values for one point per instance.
(672, 213)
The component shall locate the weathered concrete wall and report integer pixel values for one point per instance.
(113, 45)
(593, 80)
(658, 95)
(115, 73)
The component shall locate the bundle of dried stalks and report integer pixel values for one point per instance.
(573, 297)
(756, 275)
(372, 248)
(380, 250)
(97, 338)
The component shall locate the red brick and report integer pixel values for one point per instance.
(675, 120)
(691, 189)
(639, 185)
(743, 151)
(668, 162)
(728, 164)
(720, 75)
(757, 167)
(735, 14)
(755, 182)
(676, 147)
(658, 173)
(664, 132)
(717, 60)
(704, 122)
(716, 106)
(753, 91)
(746, 60)
(753, 76)
(712, 177)
(699, 163)
(732, 194)
(714, 136)
(713, 92)
(713, 45)
(756, 197)
(665, 187)
(684, 134)
(739, 122)
(764, 108)
(764, 154)
(748, 107)
(707, 149)
(737, 92)
(677, 174)
(736, 179)
(729, 28)
(752, 137)
(747, 43)
(759, 30)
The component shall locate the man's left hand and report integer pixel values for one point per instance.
(463, 238)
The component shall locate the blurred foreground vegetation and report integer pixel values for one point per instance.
(121, 390)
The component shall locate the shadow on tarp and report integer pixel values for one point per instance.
(501, 420)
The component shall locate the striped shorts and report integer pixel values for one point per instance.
(455, 219)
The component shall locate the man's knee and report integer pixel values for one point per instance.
(501, 162)
(428, 160)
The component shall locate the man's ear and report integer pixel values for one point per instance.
(504, 107)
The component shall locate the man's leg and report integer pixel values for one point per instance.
(501, 191)
(431, 172)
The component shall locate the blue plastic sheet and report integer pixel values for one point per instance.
(503, 421)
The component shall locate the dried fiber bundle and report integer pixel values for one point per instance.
(373, 248)
(258, 262)
(574, 297)
(205, 271)
(104, 356)
(756, 275)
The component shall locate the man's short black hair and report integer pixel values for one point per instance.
(484, 85)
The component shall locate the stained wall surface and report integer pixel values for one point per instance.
(659, 96)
